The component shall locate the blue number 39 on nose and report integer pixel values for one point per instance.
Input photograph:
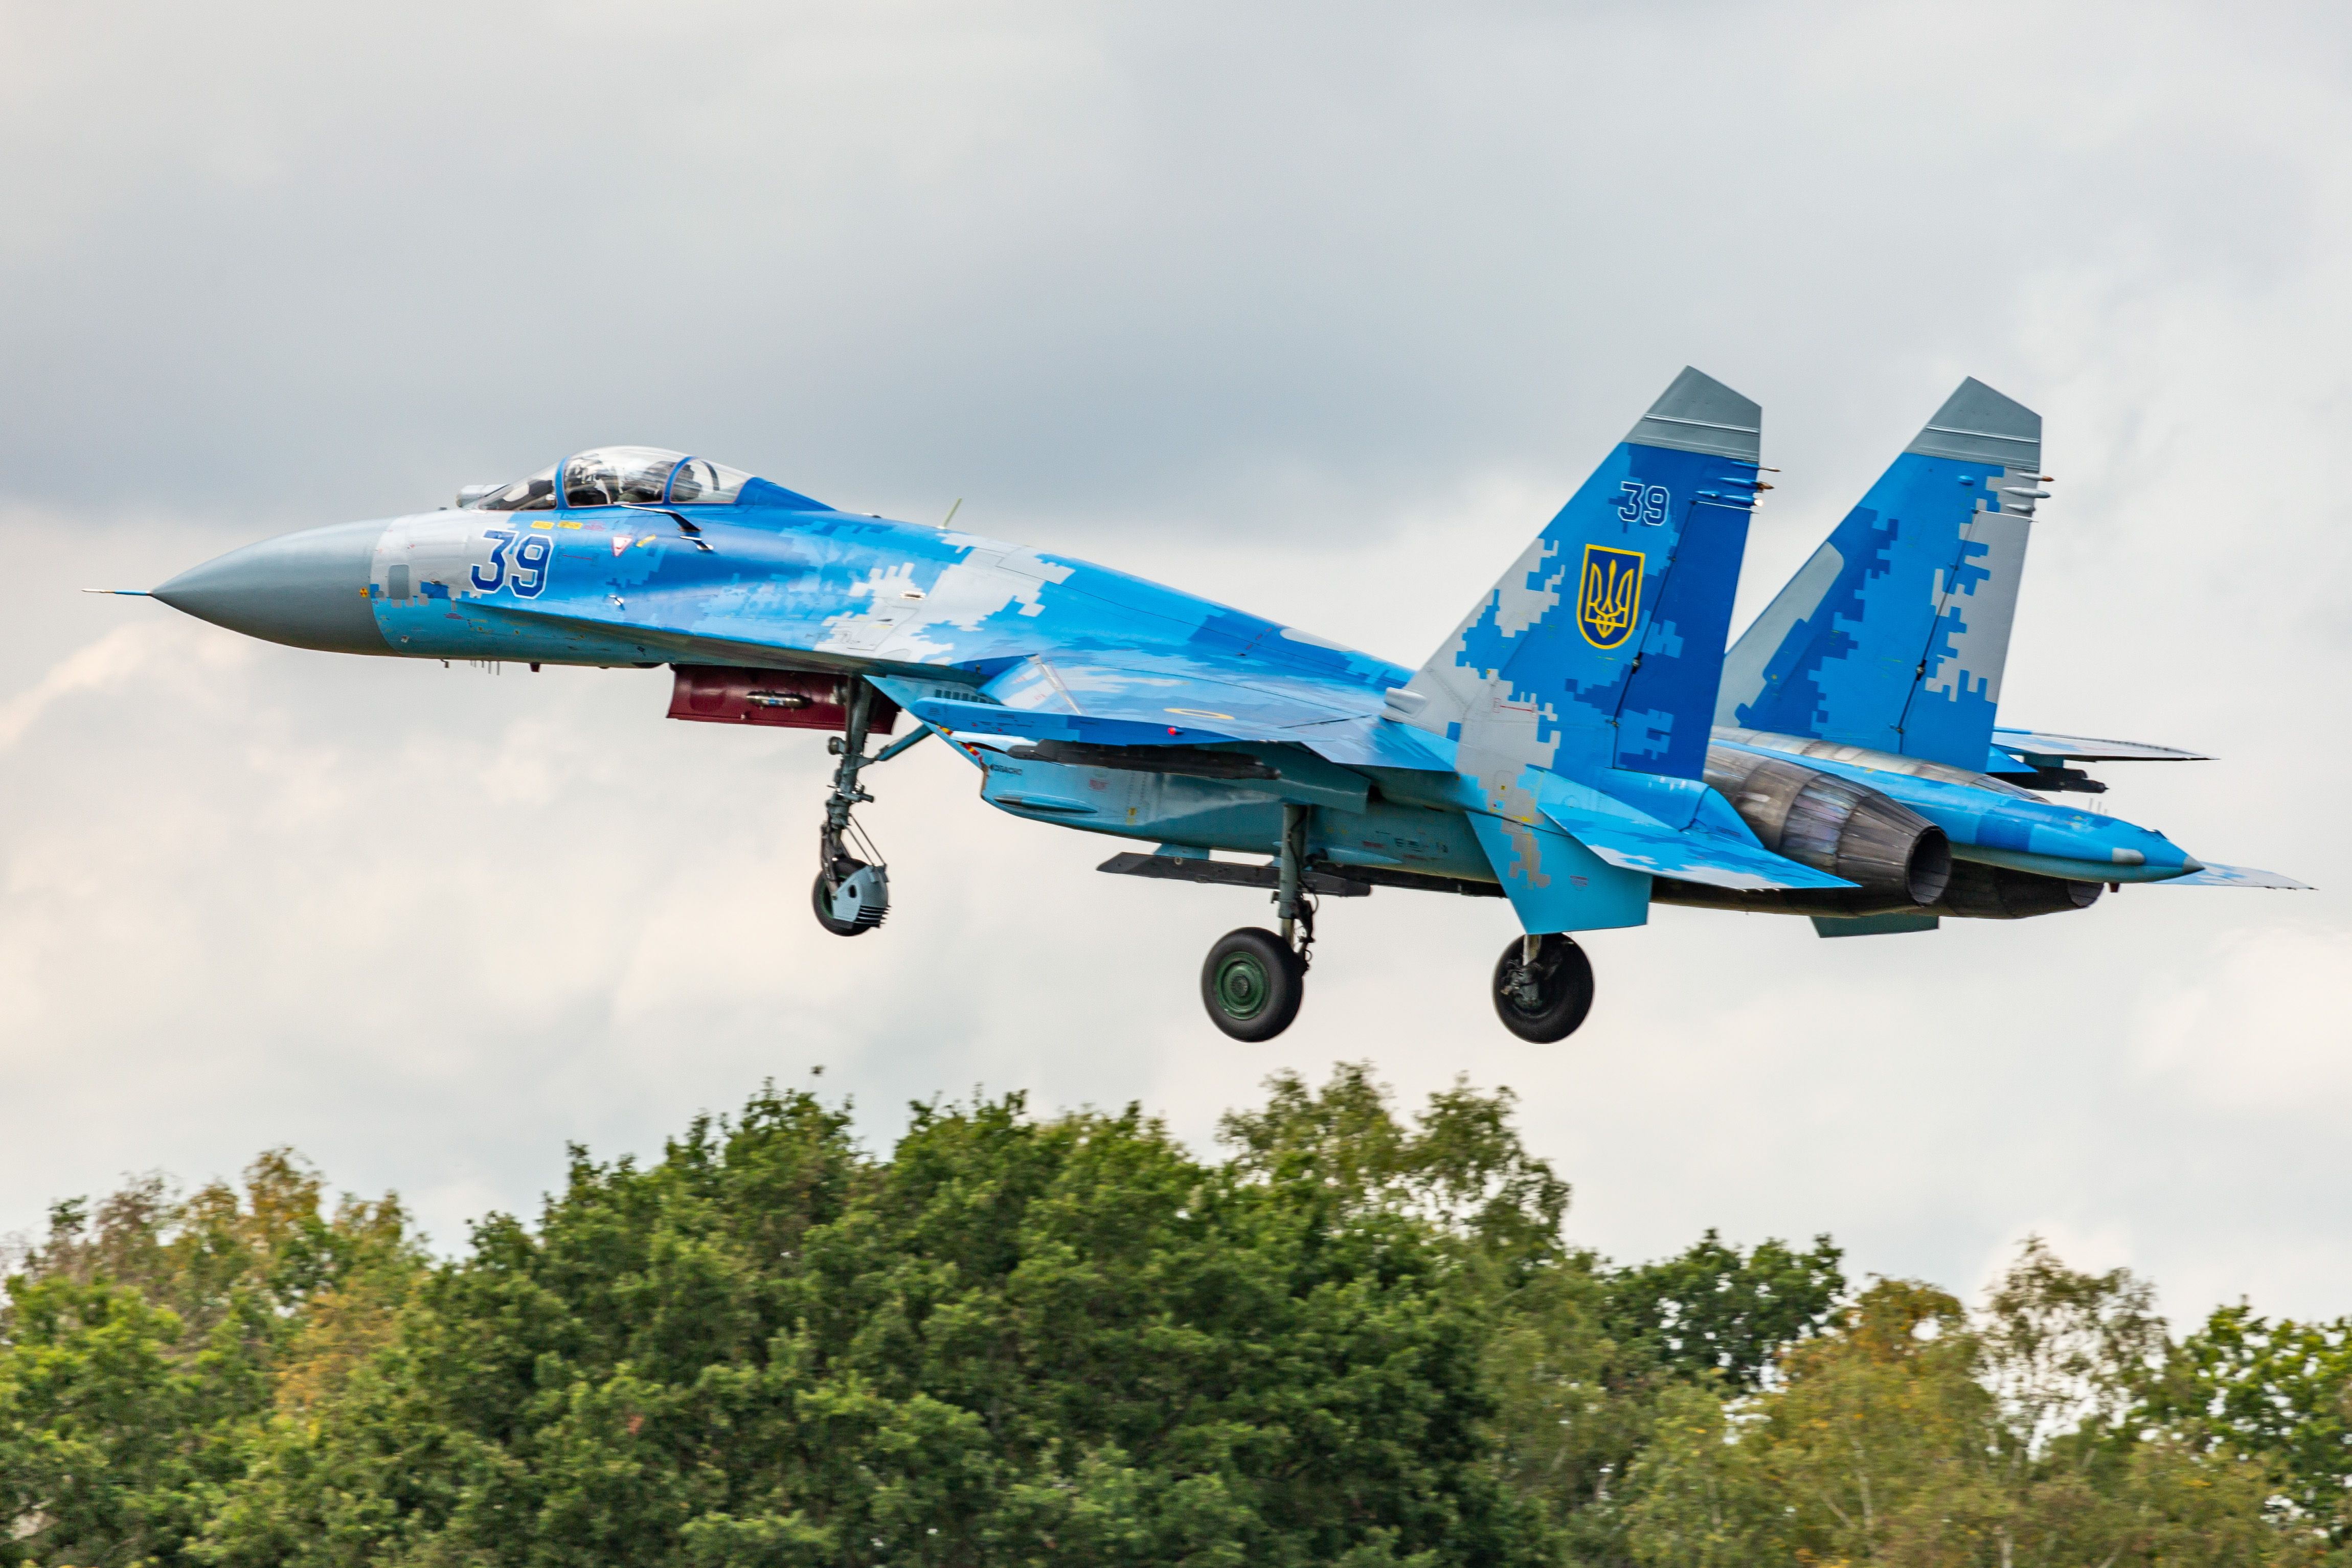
(531, 557)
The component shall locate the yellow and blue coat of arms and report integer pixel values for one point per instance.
(1609, 595)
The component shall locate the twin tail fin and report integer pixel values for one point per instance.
(1893, 635)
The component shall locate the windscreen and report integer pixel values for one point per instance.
(535, 494)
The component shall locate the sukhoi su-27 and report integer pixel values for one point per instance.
(1583, 742)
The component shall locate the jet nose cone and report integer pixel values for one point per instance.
(308, 589)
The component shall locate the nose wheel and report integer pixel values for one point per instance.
(852, 893)
(851, 896)
(1543, 987)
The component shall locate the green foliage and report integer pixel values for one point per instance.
(1356, 1338)
(1716, 1309)
(143, 1344)
(1573, 1406)
(1917, 1433)
(1460, 1166)
(2278, 1392)
(1014, 1340)
(103, 1441)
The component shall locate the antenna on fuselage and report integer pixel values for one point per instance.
(951, 512)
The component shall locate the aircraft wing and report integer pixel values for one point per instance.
(1171, 690)
(1119, 697)
(1149, 699)
(2021, 743)
(2232, 876)
(1102, 697)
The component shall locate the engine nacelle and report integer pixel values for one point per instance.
(1995, 892)
(1849, 829)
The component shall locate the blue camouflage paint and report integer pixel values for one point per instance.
(1556, 743)
(1556, 884)
(1895, 635)
(1662, 722)
(1845, 669)
(1525, 675)
(1988, 820)
(1539, 680)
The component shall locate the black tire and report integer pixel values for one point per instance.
(1251, 984)
(820, 900)
(1546, 1001)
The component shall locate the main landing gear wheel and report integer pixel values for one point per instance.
(1543, 987)
(1251, 984)
(1255, 979)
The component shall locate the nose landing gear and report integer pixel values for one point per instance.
(852, 893)
(1543, 987)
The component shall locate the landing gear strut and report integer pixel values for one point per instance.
(1543, 987)
(852, 885)
(1255, 979)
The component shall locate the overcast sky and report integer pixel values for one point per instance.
(1318, 310)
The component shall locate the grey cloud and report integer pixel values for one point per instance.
(1317, 309)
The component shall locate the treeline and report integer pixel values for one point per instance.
(1355, 1338)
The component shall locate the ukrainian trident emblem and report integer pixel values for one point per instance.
(1608, 599)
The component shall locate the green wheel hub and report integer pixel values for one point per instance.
(1242, 986)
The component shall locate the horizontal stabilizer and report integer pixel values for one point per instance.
(1652, 847)
(2234, 876)
(2032, 743)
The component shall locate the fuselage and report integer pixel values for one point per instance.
(783, 585)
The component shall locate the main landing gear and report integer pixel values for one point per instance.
(852, 893)
(1543, 987)
(1255, 979)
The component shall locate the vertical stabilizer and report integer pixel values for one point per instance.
(1602, 645)
(1893, 635)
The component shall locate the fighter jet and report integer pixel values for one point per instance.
(1582, 744)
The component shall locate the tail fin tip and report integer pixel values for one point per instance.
(1699, 413)
(1978, 425)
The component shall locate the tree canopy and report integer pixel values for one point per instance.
(1351, 1336)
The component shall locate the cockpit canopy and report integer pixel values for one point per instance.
(623, 476)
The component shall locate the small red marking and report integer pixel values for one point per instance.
(1171, 730)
